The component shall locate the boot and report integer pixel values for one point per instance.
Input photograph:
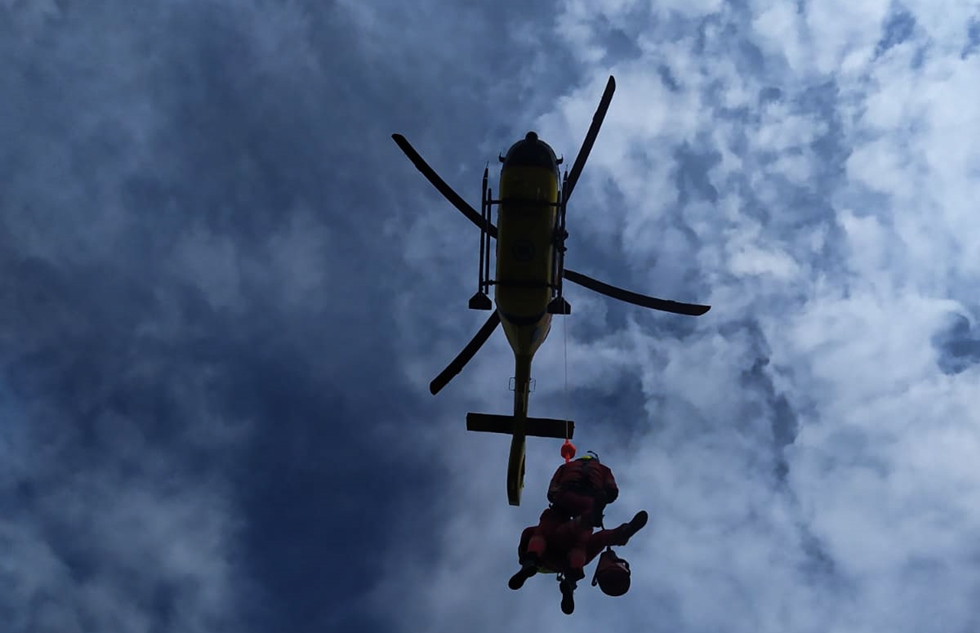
(529, 567)
(567, 588)
(635, 525)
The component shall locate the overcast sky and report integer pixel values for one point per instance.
(224, 290)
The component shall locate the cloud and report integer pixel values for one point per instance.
(183, 343)
(799, 171)
(231, 289)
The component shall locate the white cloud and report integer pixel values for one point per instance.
(844, 231)
(843, 34)
(779, 27)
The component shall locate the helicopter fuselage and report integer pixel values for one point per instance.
(525, 256)
(525, 271)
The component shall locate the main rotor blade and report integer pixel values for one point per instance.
(464, 356)
(583, 153)
(664, 305)
(441, 185)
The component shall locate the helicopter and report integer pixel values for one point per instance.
(530, 251)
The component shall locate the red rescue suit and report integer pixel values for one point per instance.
(563, 540)
(566, 546)
(582, 487)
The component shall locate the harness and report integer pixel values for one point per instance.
(583, 484)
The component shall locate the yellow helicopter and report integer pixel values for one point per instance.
(530, 266)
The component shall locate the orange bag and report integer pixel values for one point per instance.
(612, 574)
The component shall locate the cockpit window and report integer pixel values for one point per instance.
(531, 151)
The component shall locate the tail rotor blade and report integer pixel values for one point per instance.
(440, 184)
(664, 305)
(590, 137)
(466, 354)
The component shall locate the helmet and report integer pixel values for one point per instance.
(612, 574)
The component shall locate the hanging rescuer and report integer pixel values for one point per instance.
(563, 541)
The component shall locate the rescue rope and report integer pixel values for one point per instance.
(564, 331)
(567, 449)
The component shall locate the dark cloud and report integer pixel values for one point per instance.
(896, 30)
(693, 165)
(186, 337)
(972, 39)
(958, 345)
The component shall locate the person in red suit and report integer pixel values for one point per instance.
(563, 541)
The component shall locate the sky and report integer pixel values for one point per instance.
(224, 290)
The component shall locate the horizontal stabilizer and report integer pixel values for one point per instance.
(537, 427)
